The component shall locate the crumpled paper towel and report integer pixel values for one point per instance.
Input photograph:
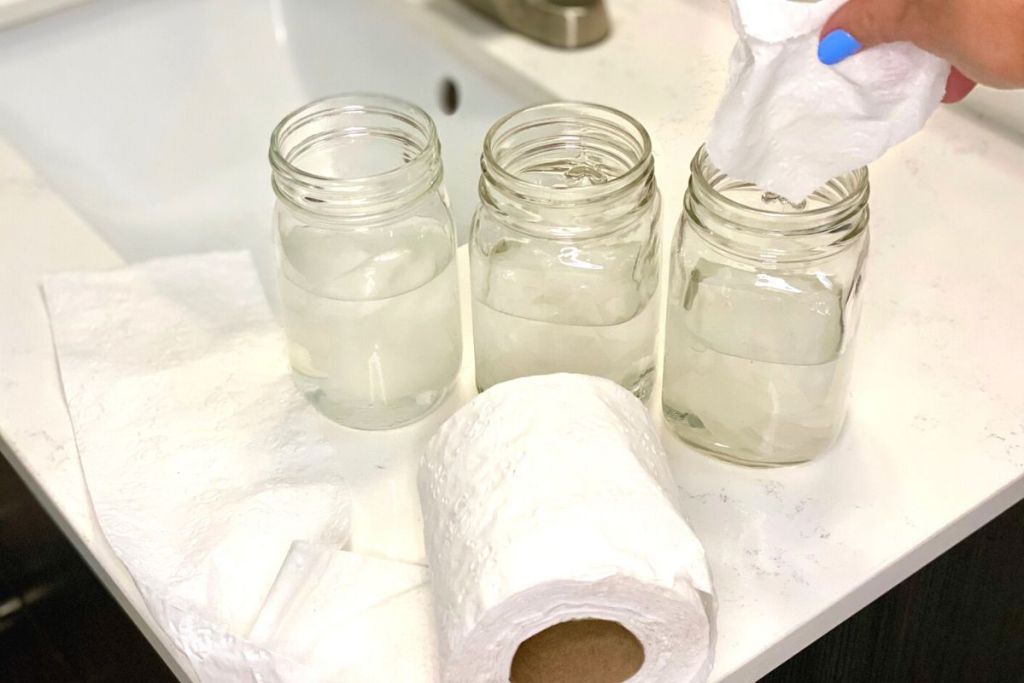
(789, 124)
(202, 460)
(549, 499)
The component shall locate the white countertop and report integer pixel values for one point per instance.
(15, 11)
(934, 447)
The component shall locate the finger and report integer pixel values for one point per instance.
(860, 24)
(957, 87)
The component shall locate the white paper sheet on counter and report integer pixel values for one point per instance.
(352, 618)
(202, 460)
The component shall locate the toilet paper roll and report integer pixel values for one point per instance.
(549, 500)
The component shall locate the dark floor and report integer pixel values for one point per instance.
(57, 623)
(959, 620)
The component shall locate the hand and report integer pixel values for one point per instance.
(983, 39)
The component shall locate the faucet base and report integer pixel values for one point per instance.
(559, 23)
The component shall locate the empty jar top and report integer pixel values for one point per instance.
(567, 159)
(355, 156)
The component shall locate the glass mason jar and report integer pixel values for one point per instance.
(762, 310)
(564, 247)
(366, 259)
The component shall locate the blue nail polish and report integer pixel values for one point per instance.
(837, 46)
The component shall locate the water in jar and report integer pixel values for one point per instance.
(540, 308)
(372, 319)
(755, 367)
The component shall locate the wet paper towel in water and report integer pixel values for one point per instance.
(202, 460)
(788, 123)
(548, 500)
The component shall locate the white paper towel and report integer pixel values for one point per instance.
(549, 499)
(202, 460)
(789, 123)
(351, 618)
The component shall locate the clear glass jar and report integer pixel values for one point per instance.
(564, 247)
(366, 259)
(762, 310)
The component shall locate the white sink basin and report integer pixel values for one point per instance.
(153, 118)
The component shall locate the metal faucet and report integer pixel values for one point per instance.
(562, 23)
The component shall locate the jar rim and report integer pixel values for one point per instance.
(527, 189)
(854, 199)
(354, 102)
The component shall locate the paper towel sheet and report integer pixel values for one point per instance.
(351, 618)
(202, 460)
(788, 123)
(549, 499)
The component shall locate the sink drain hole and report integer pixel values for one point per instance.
(448, 96)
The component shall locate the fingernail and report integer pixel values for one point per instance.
(837, 46)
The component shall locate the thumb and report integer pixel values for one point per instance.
(860, 24)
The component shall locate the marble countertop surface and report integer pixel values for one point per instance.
(16, 11)
(934, 446)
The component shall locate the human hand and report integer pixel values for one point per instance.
(982, 39)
